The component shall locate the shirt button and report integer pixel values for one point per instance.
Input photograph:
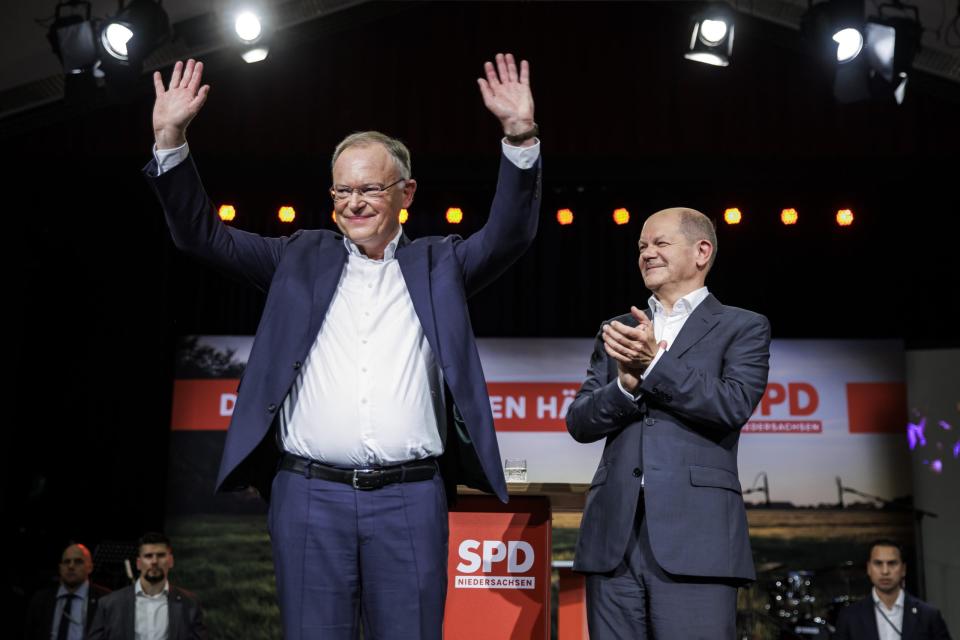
(297, 365)
(636, 472)
(650, 421)
(364, 341)
(363, 369)
(363, 401)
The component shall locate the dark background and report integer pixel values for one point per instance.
(98, 295)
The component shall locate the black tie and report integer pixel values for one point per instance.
(64, 628)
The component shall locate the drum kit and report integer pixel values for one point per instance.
(801, 604)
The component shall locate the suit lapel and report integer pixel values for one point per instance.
(909, 617)
(330, 265)
(415, 268)
(174, 606)
(703, 319)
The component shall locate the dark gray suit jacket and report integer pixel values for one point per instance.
(115, 616)
(682, 437)
(43, 606)
(920, 621)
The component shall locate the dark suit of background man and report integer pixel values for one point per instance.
(151, 608)
(64, 612)
(889, 612)
(363, 336)
(663, 539)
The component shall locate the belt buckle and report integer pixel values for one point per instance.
(369, 475)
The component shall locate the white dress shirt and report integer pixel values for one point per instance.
(77, 615)
(370, 392)
(667, 326)
(894, 615)
(151, 619)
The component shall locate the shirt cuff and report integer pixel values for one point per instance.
(522, 157)
(169, 158)
(653, 363)
(627, 393)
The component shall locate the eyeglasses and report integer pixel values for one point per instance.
(367, 192)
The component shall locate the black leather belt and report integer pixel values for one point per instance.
(363, 479)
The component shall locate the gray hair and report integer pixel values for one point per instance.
(398, 151)
(695, 226)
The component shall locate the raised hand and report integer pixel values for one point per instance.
(177, 104)
(506, 93)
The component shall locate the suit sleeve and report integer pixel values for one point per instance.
(600, 408)
(196, 227)
(726, 401)
(198, 631)
(938, 627)
(99, 630)
(509, 230)
(842, 631)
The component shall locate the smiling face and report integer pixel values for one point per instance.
(886, 569)
(671, 263)
(371, 223)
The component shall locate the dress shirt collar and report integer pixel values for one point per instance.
(897, 605)
(81, 591)
(684, 305)
(138, 589)
(388, 253)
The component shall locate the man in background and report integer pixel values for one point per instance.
(889, 612)
(64, 612)
(151, 608)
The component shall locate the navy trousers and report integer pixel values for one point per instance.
(345, 556)
(639, 600)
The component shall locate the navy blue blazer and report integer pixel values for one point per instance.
(300, 275)
(116, 616)
(681, 437)
(920, 621)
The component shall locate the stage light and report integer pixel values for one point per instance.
(621, 216)
(732, 216)
(252, 33)
(789, 216)
(454, 215)
(286, 213)
(711, 36)
(227, 212)
(565, 217)
(849, 44)
(72, 36)
(247, 26)
(845, 217)
(135, 31)
(404, 216)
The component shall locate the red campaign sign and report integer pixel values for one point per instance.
(498, 569)
(203, 405)
(531, 406)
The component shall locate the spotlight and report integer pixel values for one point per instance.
(621, 216)
(227, 212)
(252, 35)
(732, 216)
(454, 215)
(845, 217)
(711, 36)
(72, 36)
(872, 56)
(564, 217)
(404, 216)
(789, 216)
(286, 213)
(137, 29)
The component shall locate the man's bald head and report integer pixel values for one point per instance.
(76, 565)
(694, 226)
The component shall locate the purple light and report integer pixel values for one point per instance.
(945, 425)
(936, 466)
(956, 450)
(915, 434)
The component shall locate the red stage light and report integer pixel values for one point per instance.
(621, 216)
(845, 217)
(732, 216)
(454, 215)
(789, 216)
(565, 216)
(227, 212)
